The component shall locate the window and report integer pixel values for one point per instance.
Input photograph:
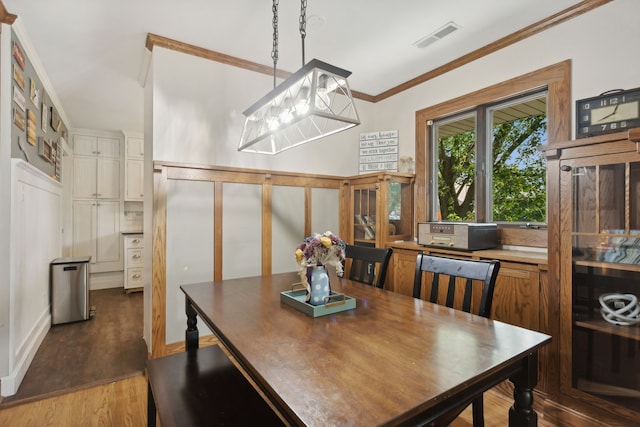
(485, 163)
(556, 78)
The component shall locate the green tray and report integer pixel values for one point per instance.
(338, 302)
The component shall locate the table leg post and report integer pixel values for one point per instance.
(522, 413)
(151, 407)
(191, 333)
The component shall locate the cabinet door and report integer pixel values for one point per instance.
(109, 147)
(85, 145)
(84, 229)
(108, 179)
(108, 231)
(84, 177)
(516, 295)
(403, 271)
(134, 180)
(600, 266)
(364, 214)
(135, 148)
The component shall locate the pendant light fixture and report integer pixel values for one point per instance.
(312, 103)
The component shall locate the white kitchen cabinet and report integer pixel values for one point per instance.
(134, 179)
(96, 232)
(96, 177)
(96, 167)
(135, 148)
(133, 171)
(133, 262)
(90, 145)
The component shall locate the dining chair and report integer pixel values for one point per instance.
(368, 264)
(464, 277)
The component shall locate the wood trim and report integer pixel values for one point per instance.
(307, 211)
(178, 46)
(515, 236)
(159, 266)
(5, 16)
(179, 347)
(189, 49)
(217, 230)
(526, 32)
(267, 228)
(533, 29)
(163, 172)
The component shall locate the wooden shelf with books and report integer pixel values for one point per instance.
(377, 196)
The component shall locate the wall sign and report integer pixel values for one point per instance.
(379, 151)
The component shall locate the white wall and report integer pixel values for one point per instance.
(36, 236)
(30, 231)
(5, 195)
(601, 45)
(198, 107)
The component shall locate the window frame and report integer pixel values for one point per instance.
(557, 80)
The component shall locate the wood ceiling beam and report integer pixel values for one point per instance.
(535, 28)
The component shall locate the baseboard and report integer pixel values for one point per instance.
(108, 280)
(24, 355)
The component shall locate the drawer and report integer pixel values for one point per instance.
(134, 277)
(134, 258)
(133, 242)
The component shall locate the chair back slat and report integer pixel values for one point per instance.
(462, 275)
(368, 264)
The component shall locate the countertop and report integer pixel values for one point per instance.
(513, 255)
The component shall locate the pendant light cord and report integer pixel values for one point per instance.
(303, 25)
(303, 33)
(274, 50)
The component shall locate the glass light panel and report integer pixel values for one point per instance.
(314, 102)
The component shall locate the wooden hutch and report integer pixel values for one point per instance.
(596, 245)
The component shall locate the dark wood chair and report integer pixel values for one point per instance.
(464, 276)
(368, 264)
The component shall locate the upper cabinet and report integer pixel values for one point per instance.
(96, 167)
(133, 171)
(381, 208)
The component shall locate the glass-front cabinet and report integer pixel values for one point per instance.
(600, 275)
(381, 207)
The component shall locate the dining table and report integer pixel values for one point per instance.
(390, 360)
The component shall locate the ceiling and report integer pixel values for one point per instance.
(93, 51)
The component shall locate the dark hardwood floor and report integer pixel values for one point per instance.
(105, 348)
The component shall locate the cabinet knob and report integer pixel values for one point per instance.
(136, 256)
(136, 240)
(136, 276)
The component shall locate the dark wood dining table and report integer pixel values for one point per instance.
(393, 360)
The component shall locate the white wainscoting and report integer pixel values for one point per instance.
(36, 240)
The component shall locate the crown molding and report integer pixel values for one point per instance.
(524, 33)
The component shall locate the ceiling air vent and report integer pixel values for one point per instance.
(441, 32)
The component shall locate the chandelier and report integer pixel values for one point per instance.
(312, 103)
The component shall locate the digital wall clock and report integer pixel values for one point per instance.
(609, 112)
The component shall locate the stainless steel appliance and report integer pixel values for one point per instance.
(69, 289)
(458, 235)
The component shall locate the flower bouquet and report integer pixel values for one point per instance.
(315, 253)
